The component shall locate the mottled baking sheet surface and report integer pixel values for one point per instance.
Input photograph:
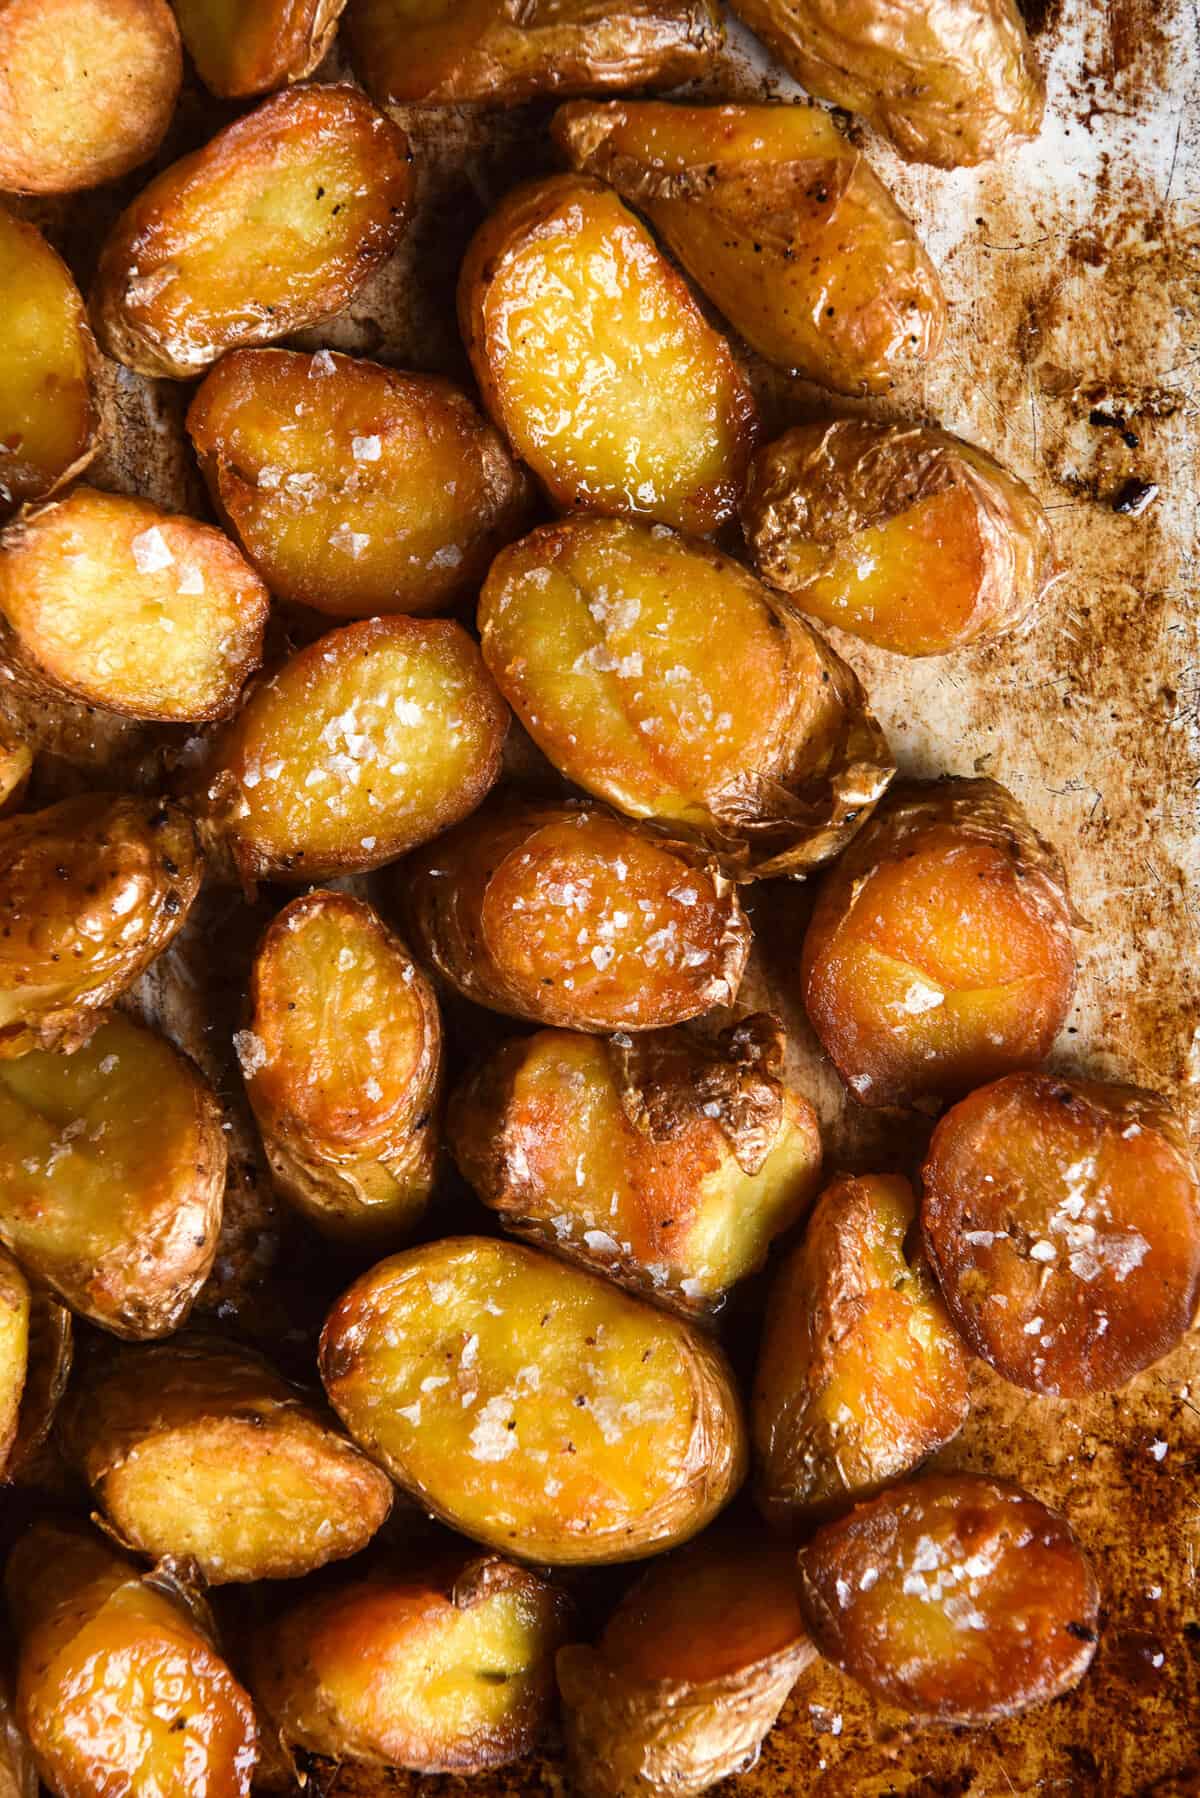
(1073, 352)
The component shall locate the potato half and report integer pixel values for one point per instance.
(48, 414)
(119, 1687)
(939, 954)
(343, 1061)
(952, 82)
(784, 225)
(666, 1162)
(575, 918)
(860, 1374)
(906, 536)
(112, 1175)
(91, 891)
(532, 1406)
(444, 1669)
(240, 50)
(452, 51)
(957, 1597)
(270, 227)
(14, 1352)
(1063, 1220)
(597, 363)
(662, 677)
(353, 488)
(690, 1674)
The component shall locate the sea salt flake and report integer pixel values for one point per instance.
(251, 1052)
(150, 551)
(366, 449)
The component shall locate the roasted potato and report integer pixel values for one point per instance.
(342, 1060)
(353, 488)
(448, 1668)
(663, 1161)
(119, 1688)
(14, 1351)
(690, 1673)
(373, 739)
(47, 1370)
(112, 1174)
(240, 50)
(1062, 1218)
(113, 602)
(574, 918)
(91, 891)
(952, 82)
(532, 1406)
(860, 1375)
(198, 1452)
(597, 363)
(660, 676)
(782, 222)
(906, 536)
(958, 1597)
(274, 224)
(16, 765)
(490, 50)
(939, 954)
(18, 1771)
(48, 413)
(87, 89)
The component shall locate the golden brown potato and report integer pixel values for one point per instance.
(16, 765)
(906, 536)
(448, 1668)
(860, 1375)
(574, 918)
(18, 1771)
(598, 365)
(660, 676)
(958, 1597)
(91, 891)
(87, 89)
(939, 954)
(197, 1451)
(48, 413)
(47, 1371)
(112, 1175)
(119, 1687)
(532, 1406)
(690, 1673)
(123, 606)
(782, 222)
(490, 50)
(1062, 1218)
(663, 1161)
(353, 488)
(370, 741)
(240, 49)
(952, 82)
(343, 1064)
(14, 1351)
(274, 224)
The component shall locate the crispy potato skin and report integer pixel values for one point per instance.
(47, 1371)
(235, 244)
(945, 1552)
(241, 50)
(111, 601)
(1078, 1204)
(87, 89)
(449, 1669)
(496, 908)
(690, 1673)
(597, 363)
(600, 634)
(662, 1161)
(487, 50)
(119, 1687)
(860, 1375)
(14, 1352)
(952, 82)
(939, 954)
(391, 495)
(75, 940)
(903, 535)
(575, 1424)
(784, 225)
(344, 1061)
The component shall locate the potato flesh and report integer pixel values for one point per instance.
(47, 413)
(597, 363)
(353, 488)
(14, 1350)
(240, 51)
(532, 1406)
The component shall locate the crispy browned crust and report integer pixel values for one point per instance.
(297, 37)
(51, 1351)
